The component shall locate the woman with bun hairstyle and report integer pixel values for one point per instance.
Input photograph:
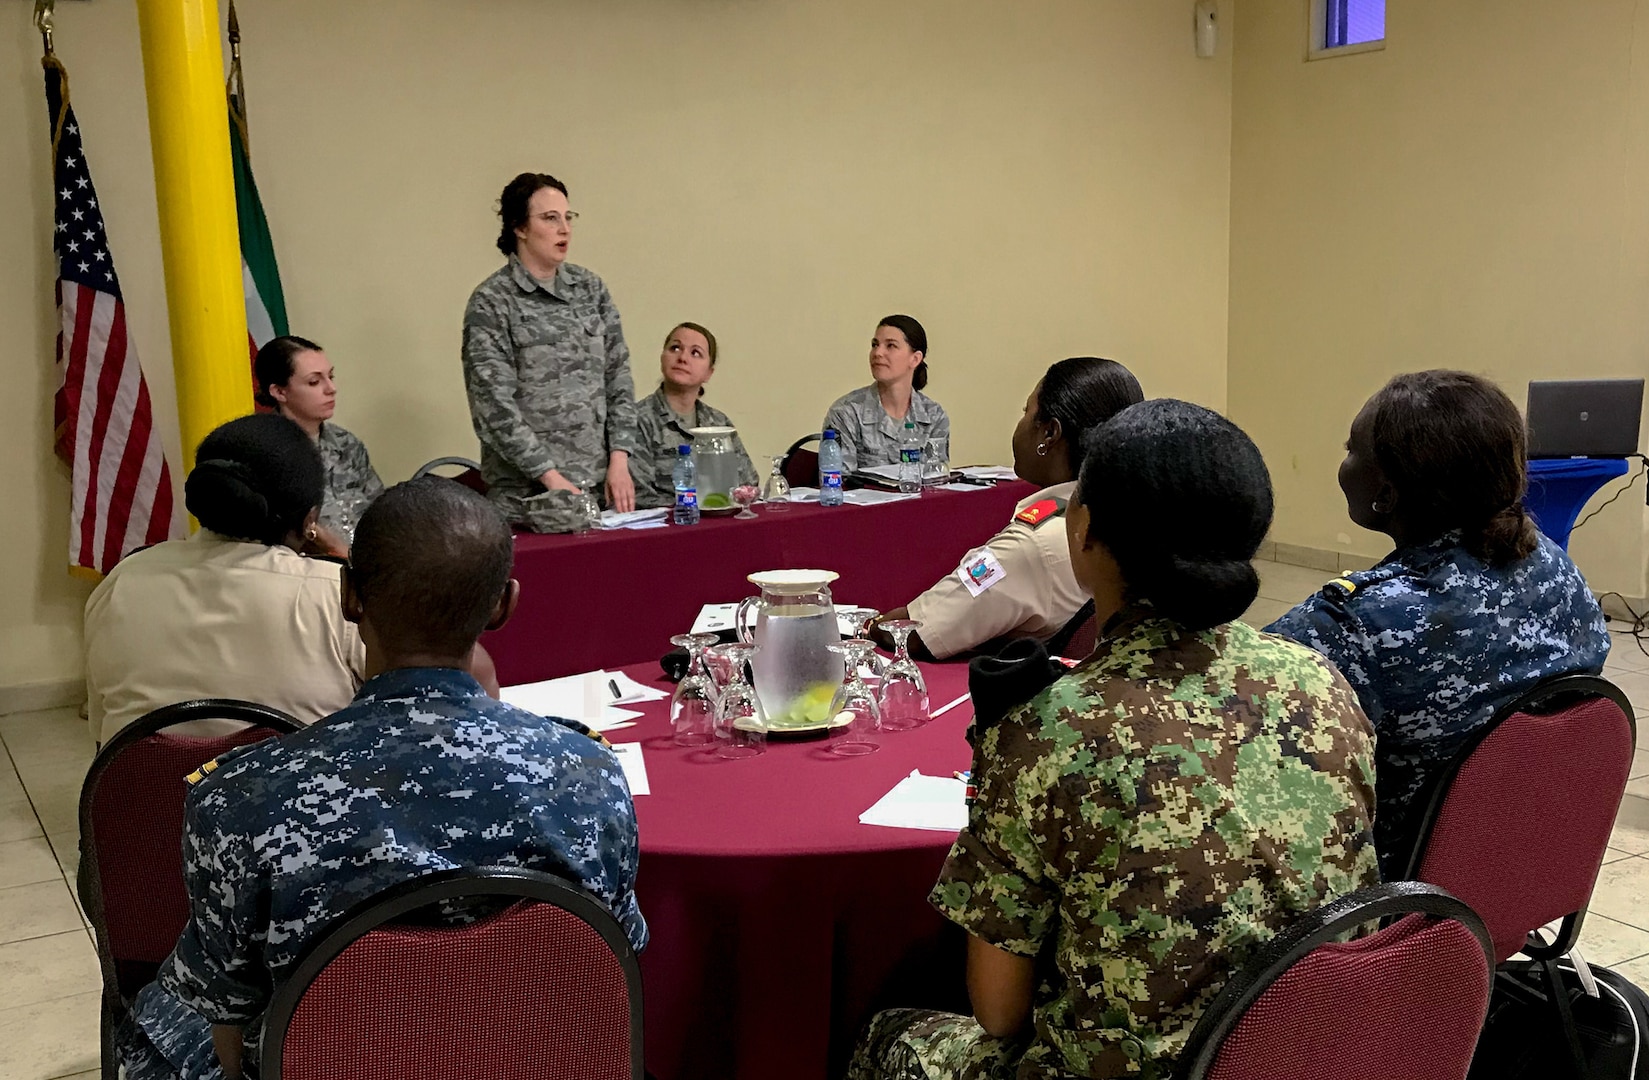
(234, 611)
(870, 422)
(1472, 608)
(1153, 815)
(296, 379)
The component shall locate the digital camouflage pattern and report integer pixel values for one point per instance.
(422, 772)
(351, 481)
(548, 377)
(1434, 641)
(1141, 826)
(869, 436)
(653, 464)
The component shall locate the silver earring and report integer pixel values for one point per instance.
(1041, 449)
(1376, 507)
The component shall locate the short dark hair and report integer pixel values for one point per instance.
(916, 338)
(430, 560)
(1181, 498)
(1455, 448)
(256, 479)
(512, 205)
(1082, 392)
(274, 364)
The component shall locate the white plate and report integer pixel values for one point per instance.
(792, 582)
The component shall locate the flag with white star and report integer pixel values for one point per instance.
(122, 484)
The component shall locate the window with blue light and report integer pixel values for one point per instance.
(1353, 22)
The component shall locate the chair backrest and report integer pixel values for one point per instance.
(1519, 823)
(1407, 1001)
(546, 987)
(469, 473)
(131, 832)
(801, 466)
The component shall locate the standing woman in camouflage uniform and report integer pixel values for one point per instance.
(1154, 815)
(295, 379)
(870, 421)
(667, 416)
(546, 368)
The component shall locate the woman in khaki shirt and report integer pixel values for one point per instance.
(1019, 584)
(234, 611)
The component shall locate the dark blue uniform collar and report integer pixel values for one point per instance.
(418, 682)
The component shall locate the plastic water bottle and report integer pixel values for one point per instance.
(686, 480)
(910, 460)
(830, 470)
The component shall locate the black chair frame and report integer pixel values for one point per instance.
(407, 897)
(1547, 697)
(88, 879)
(1062, 638)
(1377, 903)
(429, 467)
(784, 466)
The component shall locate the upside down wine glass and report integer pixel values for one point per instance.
(854, 715)
(693, 705)
(776, 489)
(741, 725)
(904, 693)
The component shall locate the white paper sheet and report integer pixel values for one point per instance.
(586, 698)
(630, 692)
(634, 766)
(959, 486)
(938, 803)
(714, 618)
(875, 496)
(653, 518)
(804, 494)
(988, 472)
(888, 473)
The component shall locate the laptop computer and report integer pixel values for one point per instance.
(1584, 417)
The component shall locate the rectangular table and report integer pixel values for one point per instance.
(612, 597)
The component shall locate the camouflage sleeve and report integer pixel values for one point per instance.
(360, 466)
(747, 468)
(644, 465)
(1326, 624)
(490, 380)
(847, 435)
(941, 430)
(995, 883)
(621, 388)
(216, 967)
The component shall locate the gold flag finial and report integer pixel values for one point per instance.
(43, 12)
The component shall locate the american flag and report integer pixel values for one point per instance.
(105, 429)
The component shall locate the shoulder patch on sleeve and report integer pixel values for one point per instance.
(1040, 513)
(201, 773)
(1339, 589)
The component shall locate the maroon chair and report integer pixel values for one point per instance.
(544, 987)
(469, 473)
(801, 466)
(131, 840)
(1075, 640)
(1519, 822)
(1408, 1001)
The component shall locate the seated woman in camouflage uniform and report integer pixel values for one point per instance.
(1472, 609)
(295, 379)
(870, 421)
(1162, 809)
(666, 417)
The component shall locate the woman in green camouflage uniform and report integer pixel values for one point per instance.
(1149, 818)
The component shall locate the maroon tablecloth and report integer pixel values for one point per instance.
(614, 597)
(779, 923)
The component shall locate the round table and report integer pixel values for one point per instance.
(779, 923)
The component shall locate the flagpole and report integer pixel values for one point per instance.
(199, 235)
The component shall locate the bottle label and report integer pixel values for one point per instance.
(687, 497)
(911, 455)
(832, 480)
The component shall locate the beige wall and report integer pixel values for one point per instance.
(1031, 183)
(1476, 195)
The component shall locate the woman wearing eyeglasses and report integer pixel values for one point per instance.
(547, 370)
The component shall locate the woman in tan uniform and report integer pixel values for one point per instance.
(1019, 584)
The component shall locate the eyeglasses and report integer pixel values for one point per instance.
(555, 220)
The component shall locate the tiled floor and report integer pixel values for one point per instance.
(48, 967)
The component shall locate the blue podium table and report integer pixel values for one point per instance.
(1559, 487)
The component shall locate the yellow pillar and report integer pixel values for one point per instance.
(199, 236)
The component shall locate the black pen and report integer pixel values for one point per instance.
(612, 684)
